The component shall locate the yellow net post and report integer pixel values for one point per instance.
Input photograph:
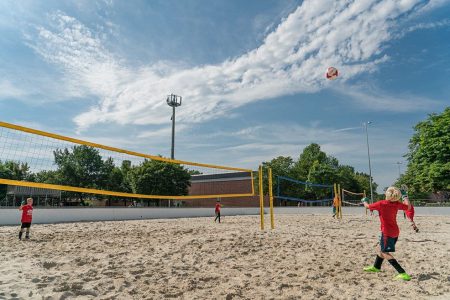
(340, 202)
(272, 222)
(335, 195)
(261, 197)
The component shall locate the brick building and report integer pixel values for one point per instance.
(226, 183)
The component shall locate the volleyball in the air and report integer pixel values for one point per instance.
(332, 73)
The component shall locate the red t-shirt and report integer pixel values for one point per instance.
(217, 207)
(27, 214)
(410, 213)
(387, 212)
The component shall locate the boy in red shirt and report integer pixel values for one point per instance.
(410, 212)
(27, 216)
(217, 210)
(387, 211)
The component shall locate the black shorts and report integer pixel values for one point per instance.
(387, 244)
(25, 225)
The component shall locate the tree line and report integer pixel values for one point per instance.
(83, 166)
(315, 166)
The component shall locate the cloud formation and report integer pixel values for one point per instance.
(291, 59)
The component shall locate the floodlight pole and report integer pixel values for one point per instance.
(368, 155)
(173, 101)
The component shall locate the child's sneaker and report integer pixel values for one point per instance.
(371, 269)
(403, 276)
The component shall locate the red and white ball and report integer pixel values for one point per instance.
(332, 73)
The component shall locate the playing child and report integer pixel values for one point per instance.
(27, 216)
(387, 211)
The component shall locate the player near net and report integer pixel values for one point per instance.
(27, 216)
(217, 210)
(387, 211)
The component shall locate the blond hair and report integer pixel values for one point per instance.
(393, 194)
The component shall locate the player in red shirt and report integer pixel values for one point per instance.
(217, 210)
(27, 217)
(410, 212)
(387, 211)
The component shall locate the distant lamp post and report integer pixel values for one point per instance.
(399, 173)
(368, 156)
(173, 101)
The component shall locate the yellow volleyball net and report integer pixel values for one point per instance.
(350, 198)
(41, 160)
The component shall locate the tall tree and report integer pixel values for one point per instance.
(82, 166)
(429, 155)
(154, 177)
(310, 154)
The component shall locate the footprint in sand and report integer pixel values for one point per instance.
(49, 264)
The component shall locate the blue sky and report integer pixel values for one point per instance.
(251, 74)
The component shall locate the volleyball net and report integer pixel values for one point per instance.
(42, 160)
(290, 189)
(351, 198)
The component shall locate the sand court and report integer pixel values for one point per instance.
(305, 257)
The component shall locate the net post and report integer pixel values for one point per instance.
(261, 197)
(253, 183)
(336, 195)
(272, 222)
(340, 201)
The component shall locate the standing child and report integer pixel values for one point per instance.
(387, 211)
(217, 210)
(27, 216)
(334, 205)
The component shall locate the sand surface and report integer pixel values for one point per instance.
(305, 257)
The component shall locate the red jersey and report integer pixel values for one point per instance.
(217, 207)
(410, 213)
(27, 214)
(387, 211)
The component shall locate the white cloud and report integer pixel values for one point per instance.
(291, 59)
(423, 26)
(374, 99)
(10, 90)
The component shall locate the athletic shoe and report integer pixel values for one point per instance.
(403, 276)
(371, 269)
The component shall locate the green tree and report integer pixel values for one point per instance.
(364, 183)
(50, 177)
(82, 166)
(305, 162)
(154, 177)
(429, 155)
(315, 166)
(14, 171)
(281, 166)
